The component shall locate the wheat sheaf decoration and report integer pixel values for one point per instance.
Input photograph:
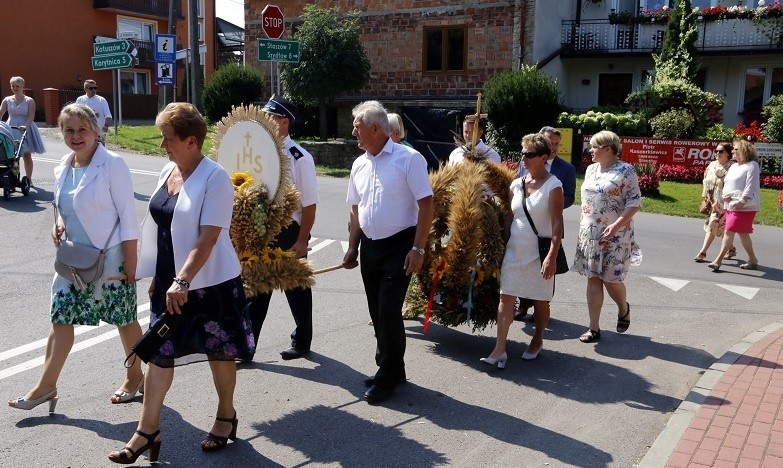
(246, 144)
(460, 280)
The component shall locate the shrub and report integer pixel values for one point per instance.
(517, 103)
(718, 132)
(590, 122)
(231, 85)
(675, 123)
(773, 112)
(673, 173)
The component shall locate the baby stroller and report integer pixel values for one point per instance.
(10, 154)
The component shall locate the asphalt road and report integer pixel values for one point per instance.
(588, 405)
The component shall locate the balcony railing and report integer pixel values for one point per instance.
(156, 8)
(715, 37)
(146, 51)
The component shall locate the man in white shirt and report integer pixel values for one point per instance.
(98, 104)
(391, 213)
(295, 236)
(482, 151)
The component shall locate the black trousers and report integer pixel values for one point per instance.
(300, 300)
(385, 284)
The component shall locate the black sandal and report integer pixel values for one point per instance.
(213, 442)
(127, 455)
(590, 336)
(625, 321)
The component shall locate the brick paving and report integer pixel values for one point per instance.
(740, 423)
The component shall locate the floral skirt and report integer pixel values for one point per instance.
(215, 326)
(112, 301)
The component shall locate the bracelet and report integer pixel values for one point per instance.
(182, 282)
(418, 250)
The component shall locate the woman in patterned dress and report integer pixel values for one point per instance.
(605, 245)
(95, 202)
(186, 249)
(21, 113)
(712, 190)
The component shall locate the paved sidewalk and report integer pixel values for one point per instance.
(733, 416)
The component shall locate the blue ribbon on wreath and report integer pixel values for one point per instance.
(469, 304)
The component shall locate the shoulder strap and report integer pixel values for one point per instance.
(524, 206)
(111, 234)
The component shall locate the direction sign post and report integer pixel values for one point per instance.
(276, 50)
(273, 21)
(111, 48)
(110, 62)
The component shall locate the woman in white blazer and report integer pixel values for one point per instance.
(186, 249)
(94, 203)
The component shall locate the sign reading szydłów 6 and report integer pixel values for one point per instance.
(275, 50)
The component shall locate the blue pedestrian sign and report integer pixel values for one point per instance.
(165, 47)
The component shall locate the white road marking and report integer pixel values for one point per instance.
(33, 363)
(320, 245)
(133, 171)
(671, 283)
(344, 244)
(743, 291)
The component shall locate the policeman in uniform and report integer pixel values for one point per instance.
(296, 236)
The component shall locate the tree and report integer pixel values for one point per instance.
(332, 59)
(679, 41)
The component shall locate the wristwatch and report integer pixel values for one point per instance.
(418, 250)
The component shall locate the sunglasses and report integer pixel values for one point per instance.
(721, 151)
(530, 154)
(91, 87)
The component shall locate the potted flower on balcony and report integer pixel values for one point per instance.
(659, 15)
(623, 17)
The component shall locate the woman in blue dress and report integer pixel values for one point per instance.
(21, 113)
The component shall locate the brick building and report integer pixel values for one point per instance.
(425, 54)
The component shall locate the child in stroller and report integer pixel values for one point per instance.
(10, 154)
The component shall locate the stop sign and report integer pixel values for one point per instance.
(273, 21)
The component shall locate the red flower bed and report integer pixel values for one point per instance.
(772, 182)
(674, 173)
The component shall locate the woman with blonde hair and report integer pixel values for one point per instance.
(605, 246)
(742, 200)
(21, 114)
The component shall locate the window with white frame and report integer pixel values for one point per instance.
(760, 84)
(132, 28)
(135, 81)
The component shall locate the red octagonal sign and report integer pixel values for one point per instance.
(273, 21)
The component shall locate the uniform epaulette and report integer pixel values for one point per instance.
(295, 152)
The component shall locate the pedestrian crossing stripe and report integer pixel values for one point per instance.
(744, 291)
(671, 283)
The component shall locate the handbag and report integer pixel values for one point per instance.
(80, 264)
(544, 243)
(705, 207)
(150, 342)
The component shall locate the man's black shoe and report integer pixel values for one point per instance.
(370, 381)
(293, 353)
(377, 394)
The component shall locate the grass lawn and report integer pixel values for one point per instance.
(675, 199)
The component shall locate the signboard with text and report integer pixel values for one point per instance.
(689, 153)
(276, 50)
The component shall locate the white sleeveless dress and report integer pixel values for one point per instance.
(520, 274)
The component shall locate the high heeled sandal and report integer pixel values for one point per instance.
(625, 321)
(214, 442)
(121, 396)
(127, 455)
(700, 258)
(24, 404)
